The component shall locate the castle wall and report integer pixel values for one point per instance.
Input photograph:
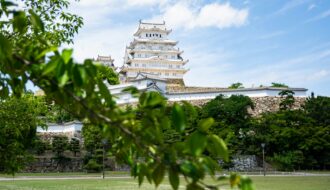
(262, 104)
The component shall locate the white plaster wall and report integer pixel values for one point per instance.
(61, 128)
(252, 93)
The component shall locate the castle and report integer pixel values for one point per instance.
(152, 62)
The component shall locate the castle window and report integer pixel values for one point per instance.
(146, 35)
(136, 64)
(174, 74)
(170, 66)
(143, 65)
(173, 57)
(166, 74)
(178, 66)
(139, 55)
(160, 35)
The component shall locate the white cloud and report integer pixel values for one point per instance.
(145, 2)
(291, 5)
(221, 16)
(323, 15)
(271, 35)
(318, 75)
(311, 7)
(106, 42)
(187, 15)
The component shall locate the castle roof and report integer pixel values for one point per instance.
(147, 27)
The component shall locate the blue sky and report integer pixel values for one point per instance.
(253, 42)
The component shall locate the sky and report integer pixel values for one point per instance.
(255, 42)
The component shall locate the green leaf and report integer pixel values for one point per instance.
(104, 91)
(174, 179)
(151, 99)
(140, 178)
(50, 67)
(205, 124)
(60, 69)
(7, 4)
(178, 118)
(20, 21)
(4, 92)
(158, 174)
(194, 186)
(44, 52)
(77, 77)
(36, 21)
(234, 180)
(64, 78)
(132, 90)
(5, 47)
(197, 143)
(66, 55)
(220, 147)
(246, 183)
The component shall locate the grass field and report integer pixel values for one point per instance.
(261, 183)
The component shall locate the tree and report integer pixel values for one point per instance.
(57, 114)
(288, 99)
(232, 119)
(92, 137)
(319, 109)
(236, 85)
(18, 123)
(106, 73)
(59, 145)
(75, 146)
(280, 85)
(31, 56)
(293, 140)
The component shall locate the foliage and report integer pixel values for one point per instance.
(236, 85)
(18, 123)
(280, 85)
(75, 146)
(92, 137)
(288, 100)
(232, 119)
(287, 134)
(138, 142)
(56, 113)
(106, 73)
(318, 109)
(60, 144)
(93, 166)
(40, 146)
(288, 160)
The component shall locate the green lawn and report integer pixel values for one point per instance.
(64, 174)
(261, 183)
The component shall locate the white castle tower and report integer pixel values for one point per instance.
(153, 54)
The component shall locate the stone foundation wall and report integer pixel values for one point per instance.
(244, 163)
(49, 164)
(262, 104)
(49, 136)
(272, 104)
